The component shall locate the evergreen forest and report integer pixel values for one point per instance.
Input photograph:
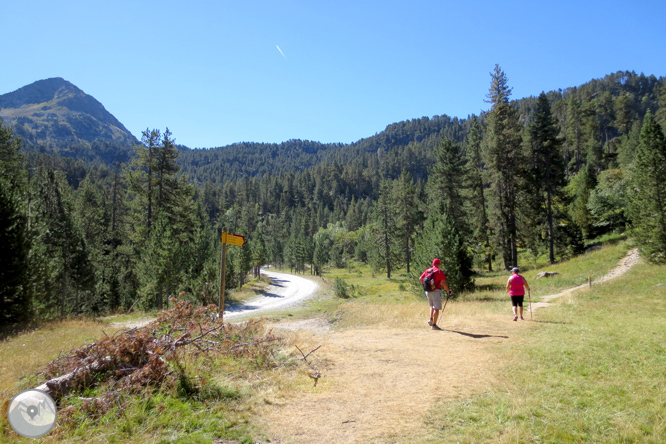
(537, 178)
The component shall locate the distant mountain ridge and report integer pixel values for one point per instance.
(55, 113)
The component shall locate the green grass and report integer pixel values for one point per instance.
(593, 371)
(572, 273)
(160, 418)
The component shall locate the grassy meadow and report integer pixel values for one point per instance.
(590, 368)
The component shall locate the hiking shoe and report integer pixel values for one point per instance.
(515, 318)
(435, 327)
(429, 321)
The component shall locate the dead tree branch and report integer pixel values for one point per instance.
(314, 373)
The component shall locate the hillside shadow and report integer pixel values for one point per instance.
(489, 287)
(9, 331)
(476, 336)
(484, 299)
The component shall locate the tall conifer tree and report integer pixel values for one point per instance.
(647, 198)
(440, 239)
(15, 301)
(476, 203)
(574, 136)
(545, 170)
(448, 182)
(386, 227)
(408, 215)
(502, 143)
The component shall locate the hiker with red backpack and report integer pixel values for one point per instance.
(432, 280)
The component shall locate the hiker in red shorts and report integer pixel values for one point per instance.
(515, 288)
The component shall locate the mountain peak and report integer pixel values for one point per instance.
(55, 111)
(39, 92)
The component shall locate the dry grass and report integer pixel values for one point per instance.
(22, 355)
(383, 368)
(379, 380)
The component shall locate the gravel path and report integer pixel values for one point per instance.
(286, 290)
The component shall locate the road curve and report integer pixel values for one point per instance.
(285, 290)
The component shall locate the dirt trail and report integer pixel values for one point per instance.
(380, 382)
(622, 267)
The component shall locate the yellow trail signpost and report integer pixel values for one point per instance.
(231, 239)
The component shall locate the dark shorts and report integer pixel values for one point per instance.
(517, 301)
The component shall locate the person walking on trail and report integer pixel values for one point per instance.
(434, 295)
(516, 287)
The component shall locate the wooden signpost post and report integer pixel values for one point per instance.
(231, 239)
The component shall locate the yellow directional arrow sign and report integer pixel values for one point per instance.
(233, 239)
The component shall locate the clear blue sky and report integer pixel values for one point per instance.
(212, 73)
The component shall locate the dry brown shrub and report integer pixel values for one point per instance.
(151, 357)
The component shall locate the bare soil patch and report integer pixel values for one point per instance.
(380, 382)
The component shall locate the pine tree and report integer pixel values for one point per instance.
(574, 136)
(408, 215)
(440, 239)
(15, 301)
(158, 189)
(545, 171)
(660, 115)
(62, 255)
(502, 155)
(158, 266)
(624, 114)
(476, 202)
(386, 228)
(259, 251)
(323, 244)
(579, 188)
(141, 178)
(647, 196)
(448, 182)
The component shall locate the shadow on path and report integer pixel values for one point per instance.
(553, 322)
(475, 336)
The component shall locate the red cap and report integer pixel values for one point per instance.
(436, 262)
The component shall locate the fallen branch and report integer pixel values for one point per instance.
(314, 372)
(63, 384)
(254, 343)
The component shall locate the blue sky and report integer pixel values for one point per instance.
(212, 73)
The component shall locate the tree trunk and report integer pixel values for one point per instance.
(551, 235)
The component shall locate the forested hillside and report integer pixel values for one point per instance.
(532, 178)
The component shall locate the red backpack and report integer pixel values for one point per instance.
(429, 280)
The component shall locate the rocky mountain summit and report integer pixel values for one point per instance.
(55, 113)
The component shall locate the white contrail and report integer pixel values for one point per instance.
(285, 57)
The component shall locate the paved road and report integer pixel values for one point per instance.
(285, 290)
